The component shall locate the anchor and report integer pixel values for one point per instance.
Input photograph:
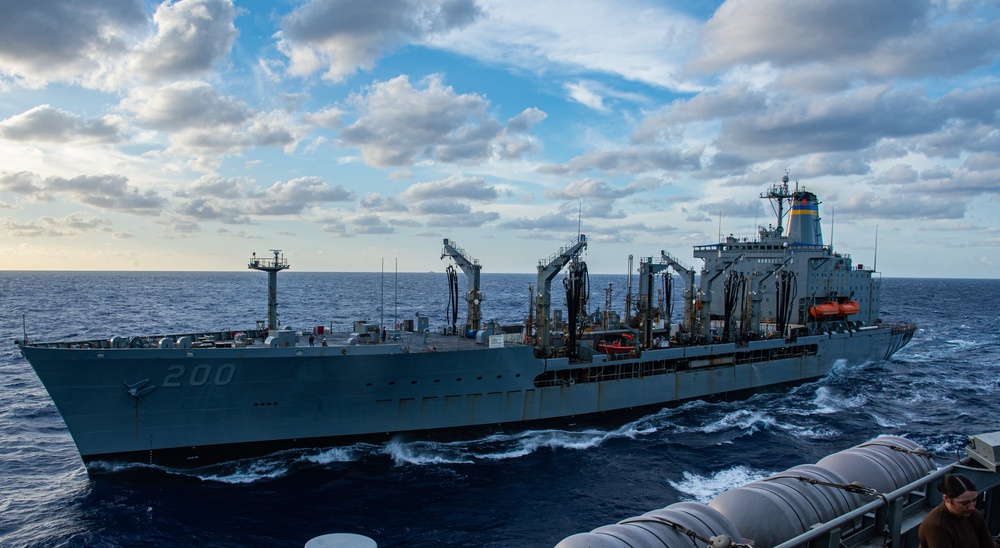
(139, 389)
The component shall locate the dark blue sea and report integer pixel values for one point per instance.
(527, 489)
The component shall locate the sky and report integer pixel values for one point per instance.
(356, 135)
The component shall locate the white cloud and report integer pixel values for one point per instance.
(203, 124)
(374, 202)
(772, 31)
(527, 108)
(639, 40)
(192, 35)
(70, 225)
(370, 224)
(452, 188)
(632, 160)
(895, 205)
(49, 124)
(587, 95)
(242, 201)
(106, 192)
(102, 45)
(294, 196)
(600, 197)
(186, 104)
(525, 120)
(66, 40)
(398, 124)
(340, 37)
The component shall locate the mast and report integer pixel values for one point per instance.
(875, 261)
(778, 194)
(628, 291)
(272, 267)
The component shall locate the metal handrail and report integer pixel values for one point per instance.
(893, 522)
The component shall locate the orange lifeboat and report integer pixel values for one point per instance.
(614, 348)
(849, 307)
(824, 310)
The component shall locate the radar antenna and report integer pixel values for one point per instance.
(778, 194)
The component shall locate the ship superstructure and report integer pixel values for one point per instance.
(780, 309)
(788, 277)
(780, 284)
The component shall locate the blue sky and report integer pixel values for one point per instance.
(186, 135)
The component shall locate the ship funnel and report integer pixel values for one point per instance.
(803, 223)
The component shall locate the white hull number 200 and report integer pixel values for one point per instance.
(200, 374)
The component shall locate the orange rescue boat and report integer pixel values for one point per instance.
(849, 307)
(824, 310)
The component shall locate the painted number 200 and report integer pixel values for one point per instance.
(200, 375)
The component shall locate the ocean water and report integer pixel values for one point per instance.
(527, 489)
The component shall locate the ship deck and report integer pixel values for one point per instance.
(415, 342)
(412, 341)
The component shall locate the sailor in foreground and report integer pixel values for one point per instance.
(955, 523)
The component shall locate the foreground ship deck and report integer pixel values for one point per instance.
(188, 400)
(874, 494)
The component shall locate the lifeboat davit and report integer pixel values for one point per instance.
(849, 307)
(824, 310)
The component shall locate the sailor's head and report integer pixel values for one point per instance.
(959, 494)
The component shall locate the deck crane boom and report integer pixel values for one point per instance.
(706, 293)
(690, 292)
(471, 268)
(647, 271)
(547, 270)
(758, 294)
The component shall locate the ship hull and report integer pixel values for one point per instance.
(192, 407)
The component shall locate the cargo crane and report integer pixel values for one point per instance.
(647, 272)
(706, 294)
(690, 320)
(547, 270)
(758, 295)
(471, 268)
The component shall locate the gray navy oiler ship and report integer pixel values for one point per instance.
(779, 309)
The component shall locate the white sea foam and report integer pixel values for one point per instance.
(749, 421)
(338, 454)
(884, 421)
(704, 488)
(813, 432)
(115, 467)
(839, 365)
(498, 447)
(945, 448)
(425, 452)
(246, 471)
(825, 403)
(533, 441)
